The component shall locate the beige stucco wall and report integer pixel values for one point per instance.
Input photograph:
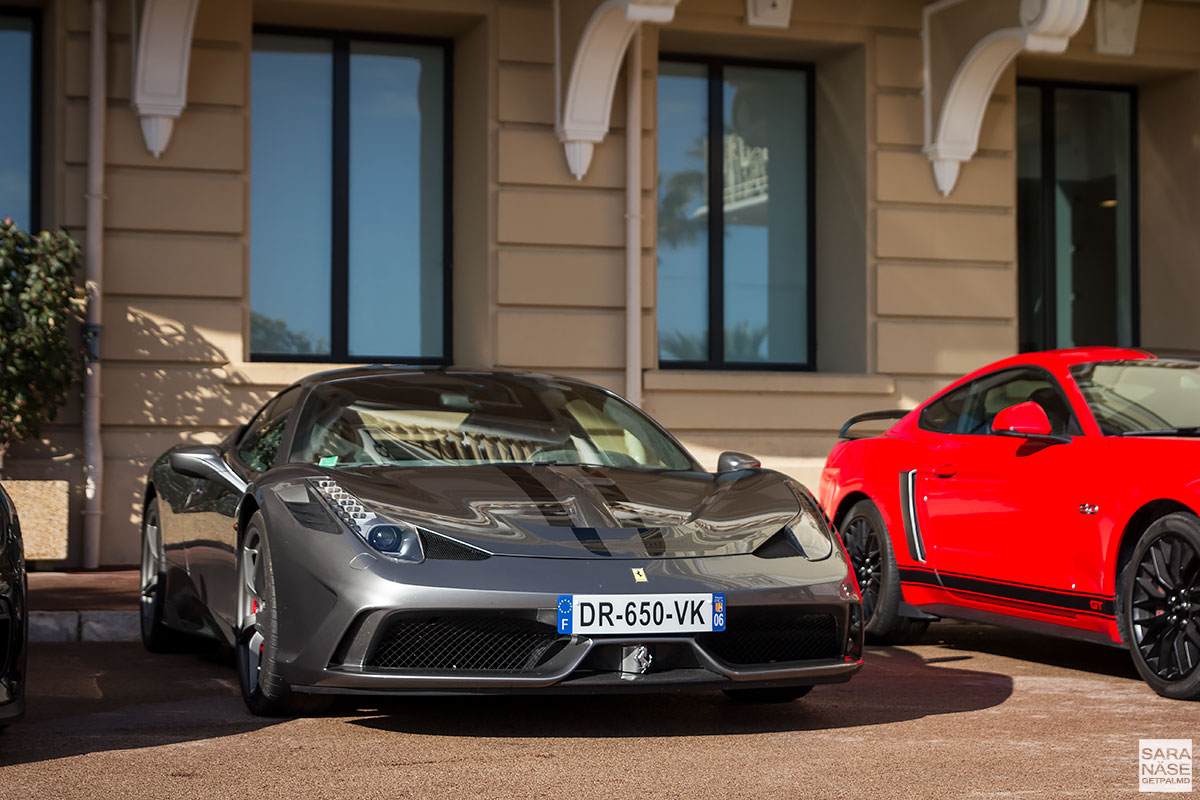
(914, 288)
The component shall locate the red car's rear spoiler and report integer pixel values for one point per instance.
(844, 433)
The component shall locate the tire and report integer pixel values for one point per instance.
(264, 690)
(869, 546)
(1160, 606)
(156, 636)
(774, 694)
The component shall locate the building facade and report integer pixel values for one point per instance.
(841, 205)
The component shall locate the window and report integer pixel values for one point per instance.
(970, 409)
(350, 247)
(19, 180)
(735, 203)
(1076, 215)
(260, 444)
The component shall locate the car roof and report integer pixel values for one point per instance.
(1056, 360)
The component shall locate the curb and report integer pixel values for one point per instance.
(84, 626)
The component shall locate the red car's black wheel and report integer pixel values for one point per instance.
(870, 549)
(1160, 604)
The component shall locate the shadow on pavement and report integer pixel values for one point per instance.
(86, 698)
(1035, 647)
(895, 685)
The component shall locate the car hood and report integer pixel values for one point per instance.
(582, 512)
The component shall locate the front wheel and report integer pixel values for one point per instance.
(156, 636)
(870, 549)
(264, 690)
(1160, 606)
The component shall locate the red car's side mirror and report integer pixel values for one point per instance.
(1027, 420)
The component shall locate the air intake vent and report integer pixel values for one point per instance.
(766, 636)
(462, 643)
(445, 549)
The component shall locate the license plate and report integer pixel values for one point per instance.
(640, 613)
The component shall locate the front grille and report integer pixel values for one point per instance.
(767, 636)
(464, 643)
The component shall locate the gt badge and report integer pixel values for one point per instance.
(639, 575)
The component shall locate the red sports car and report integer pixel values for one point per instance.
(1057, 492)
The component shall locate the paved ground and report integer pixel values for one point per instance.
(973, 712)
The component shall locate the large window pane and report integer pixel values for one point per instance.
(766, 215)
(1075, 215)
(16, 121)
(291, 195)
(683, 212)
(396, 209)
(1093, 205)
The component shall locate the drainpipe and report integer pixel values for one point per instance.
(93, 450)
(633, 223)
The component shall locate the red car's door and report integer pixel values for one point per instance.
(1008, 519)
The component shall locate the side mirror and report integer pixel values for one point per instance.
(1026, 420)
(732, 462)
(205, 462)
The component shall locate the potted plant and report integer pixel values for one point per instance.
(41, 359)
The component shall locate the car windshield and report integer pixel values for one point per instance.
(424, 420)
(1158, 397)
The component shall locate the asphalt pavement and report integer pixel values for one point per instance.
(973, 711)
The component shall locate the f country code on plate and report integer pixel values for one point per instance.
(641, 613)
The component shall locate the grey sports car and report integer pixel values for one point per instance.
(385, 530)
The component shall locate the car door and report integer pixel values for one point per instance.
(212, 553)
(1005, 518)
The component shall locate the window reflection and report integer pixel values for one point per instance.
(291, 194)
(16, 121)
(754, 249)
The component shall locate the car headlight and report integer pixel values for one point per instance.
(388, 537)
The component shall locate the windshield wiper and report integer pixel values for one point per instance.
(1183, 430)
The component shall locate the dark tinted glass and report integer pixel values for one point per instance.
(16, 120)
(970, 409)
(259, 446)
(1076, 216)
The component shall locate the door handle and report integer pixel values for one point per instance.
(945, 471)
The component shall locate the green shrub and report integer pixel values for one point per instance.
(41, 353)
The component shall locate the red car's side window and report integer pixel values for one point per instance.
(971, 408)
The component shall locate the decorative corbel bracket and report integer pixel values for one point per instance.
(968, 45)
(587, 106)
(160, 74)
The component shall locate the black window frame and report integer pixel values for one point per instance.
(715, 77)
(34, 223)
(339, 293)
(1049, 332)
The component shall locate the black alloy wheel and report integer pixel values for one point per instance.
(862, 544)
(869, 546)
(1161, 606)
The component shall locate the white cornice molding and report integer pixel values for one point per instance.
(587, 106)
(954, 116)
(160, 74)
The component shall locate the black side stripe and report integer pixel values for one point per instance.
(908, 510)
(1089, 604)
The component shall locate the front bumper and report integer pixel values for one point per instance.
(337, 609)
